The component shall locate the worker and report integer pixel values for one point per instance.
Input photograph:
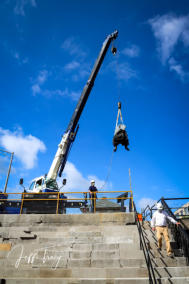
(159, 223)
(92, 194)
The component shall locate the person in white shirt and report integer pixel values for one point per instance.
(159, 223)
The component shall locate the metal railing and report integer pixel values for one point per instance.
(144, 247)
(60, 201)
(180, 233)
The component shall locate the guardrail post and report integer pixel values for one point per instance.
(57, 202)
(22, 202)
(95, 202)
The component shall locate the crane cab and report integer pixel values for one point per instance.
(41, 184)
(41, 196)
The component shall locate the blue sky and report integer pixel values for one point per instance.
(47, 50)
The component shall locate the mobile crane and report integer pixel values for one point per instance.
(47, 183)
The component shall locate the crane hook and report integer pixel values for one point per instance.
(114, 50)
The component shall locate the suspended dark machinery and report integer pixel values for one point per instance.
(120, 134)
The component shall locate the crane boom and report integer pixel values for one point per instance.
(61, 156)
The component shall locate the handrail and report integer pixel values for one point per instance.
(60, 196)
(180, 235)
(65, 192)
(144, 212)
(143, 246)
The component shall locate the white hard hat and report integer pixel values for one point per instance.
(159, 206)
(92, 181)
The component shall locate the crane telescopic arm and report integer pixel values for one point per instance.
(61, 156)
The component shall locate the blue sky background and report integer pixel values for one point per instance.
(47, 50)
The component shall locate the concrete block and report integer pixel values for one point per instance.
(80, 254)
(118, 239)
(83, 247)
(79, 263)
(106, 246)
(132, 281)
(89, 273)
(130, 252)
(62, 241)
(104, 263)
(50, 263)
(105, 254)
(135, 262)
(89, 240)
(89, 234)
(127, 272)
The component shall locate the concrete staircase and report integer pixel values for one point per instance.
(88, 248)
(167, 270)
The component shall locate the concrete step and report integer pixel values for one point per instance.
(71, 250)
(167, 261)
(66, 262)
(174, 280)
(179, 280)
(71, 231)
(95, 263)
(172, 271)
(104, 219)
(75, 228)
(92, 240)
(120, 262)
(79, 281)
(96, 273)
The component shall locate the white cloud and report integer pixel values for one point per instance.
(74, 95)
(72, 65)
(20, 6)
(19, 58)
(176, 67)
(42, 78)
(39, 81)
(125, 72)
(83, 73)
(4, 164)
(36, 89)
(131, 51)
(76, 181)
(143, 202)
(63, 93)
(25, 148)
(78, 68)
(168, 30)
(73, 47)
